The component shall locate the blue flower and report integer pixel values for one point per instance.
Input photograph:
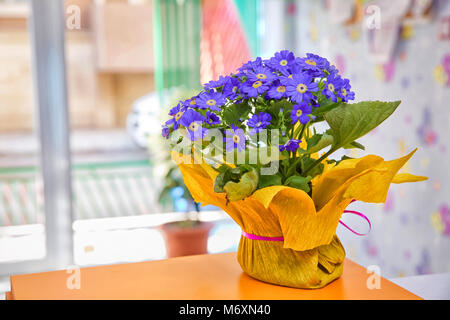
(287, 74)
(193, 121)
(314, 102)
(259, 122)
(251, 65)
(253, 89)
(215, 84)
(191, 103)
(165, 132)
(332, 85)
(300, 113)
(277, 91)
(176, 113)
(234, 139)
(332, 70)
(320, 61)
(300, 86)
(292, 145)
(282, 60)
(344, 93)
(262, 74)
(212, 118)
(314, 64)
(231, 88)
(211, 100)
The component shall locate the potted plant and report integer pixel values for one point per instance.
(248, 143)
(188, 236)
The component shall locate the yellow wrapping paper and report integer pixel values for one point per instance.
(311, 255)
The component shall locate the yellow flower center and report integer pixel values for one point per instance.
(344, 92)
(281, 89)
(283, 63)
(311, 63)
(290, 76)
(211, 102)
(234, 88)
(178, 115)
(194, 126)
(302, 88)
(236, 139)
(261, 76)
(331, 87)
(257, 84)
(299, 112)
(192, 102)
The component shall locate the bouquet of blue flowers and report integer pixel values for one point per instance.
(248, 144)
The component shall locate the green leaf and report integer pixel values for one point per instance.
(233, 113)
(221, 180)
(318, 142)
(271, 153)
(292, 169)
(354, 145)
(223, 168)
(275, 107)
(349, 122)
(227, 174)
(298, 182)
(319, 112)
(245, 187)
(307, 162)
(267, 181)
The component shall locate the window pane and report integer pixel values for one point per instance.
(22, 232)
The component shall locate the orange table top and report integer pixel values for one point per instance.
(214, 276)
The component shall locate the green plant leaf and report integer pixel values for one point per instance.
(233, 113)
(307, 162)
(271, 153)
(298, 182)
(269, 180)
(349, 122)
(220, 181)
(323, 109)
(223, 168)
(245, 187)
(317, 142)
(292, 168)
(354, 145)
(275, 107)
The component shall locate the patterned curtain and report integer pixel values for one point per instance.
(224, 45)
(249, 12)
(196, 41)
(176, 38)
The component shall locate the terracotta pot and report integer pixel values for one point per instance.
(186, 241)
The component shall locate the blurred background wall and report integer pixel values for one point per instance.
(411, 232)
(128, 61)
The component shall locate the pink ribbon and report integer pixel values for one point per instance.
(362, 216)
(255, 237)
(358, 214)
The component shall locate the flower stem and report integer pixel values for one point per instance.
(307, 170)
(301, 132)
